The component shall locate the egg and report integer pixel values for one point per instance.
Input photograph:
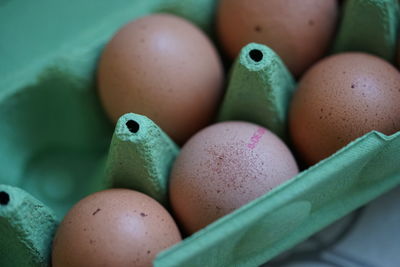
(223, 167)
(300, 32)
(165, 68)
(115, 227)
(341, 98)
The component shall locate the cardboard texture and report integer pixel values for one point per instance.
(290, 213)
(55, 138)
(369, 26)
(27, 227)
(140, 157)
(259, 89)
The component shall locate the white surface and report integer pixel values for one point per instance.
(369, 237)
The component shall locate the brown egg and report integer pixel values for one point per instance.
(298, 31)
(116, 227)
(165, 68)
(341, 98)
(223, 167)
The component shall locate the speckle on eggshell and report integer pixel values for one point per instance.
(164, 67)
(223, 167)
(300, 32)
(360, 91)
(119, 236)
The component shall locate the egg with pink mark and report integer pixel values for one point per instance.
(223, 167)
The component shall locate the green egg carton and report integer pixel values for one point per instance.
(57, 146)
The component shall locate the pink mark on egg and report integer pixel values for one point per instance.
(255, 138)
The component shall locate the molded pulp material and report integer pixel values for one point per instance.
(27, 227)
(369, 26)
(140, 157)
(259, 89)
(290, 213)
(54, 137)
(54, 134)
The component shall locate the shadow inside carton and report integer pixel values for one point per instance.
(54, 137)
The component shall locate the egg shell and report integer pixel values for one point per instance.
(165, 68)
(223, 167)
(341, 98)
(115, 227)
(298, 31)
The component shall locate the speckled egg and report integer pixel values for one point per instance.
(115, 227)
(300, 32)
(341, 98)
(223, 167)
(165, 68)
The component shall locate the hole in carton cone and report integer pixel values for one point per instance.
(4, 198)
(256, 55)
(133, 126)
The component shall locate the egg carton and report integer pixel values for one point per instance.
(55, 139)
